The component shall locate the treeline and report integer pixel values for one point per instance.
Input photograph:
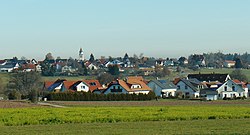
(87, 96)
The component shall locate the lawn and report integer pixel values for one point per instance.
(220, 126)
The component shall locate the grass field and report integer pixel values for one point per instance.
(145, 118)
(29, 116)
(194, 127)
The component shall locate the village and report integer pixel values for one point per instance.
(140, 75)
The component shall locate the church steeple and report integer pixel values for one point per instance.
(81, 55)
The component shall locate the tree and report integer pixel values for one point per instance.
(34, 96)
(114, 69)
(237, 74)
(91, 58)
(47, 68)
(238, 63)
(105, 78)
(25, 82)
(49, 56)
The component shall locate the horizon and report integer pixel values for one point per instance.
(113, 27)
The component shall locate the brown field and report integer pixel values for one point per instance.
(17, 104)
(163, 102)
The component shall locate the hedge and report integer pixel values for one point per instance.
(87, 96)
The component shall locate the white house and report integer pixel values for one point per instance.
(230, 90)
(163, 88)
(132, 85)
(117, 87)
(80, 86)
(9, 67)
(229, 63)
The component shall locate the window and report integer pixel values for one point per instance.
(93, 84)
(225, 88)
(233, 88)
(219, 95)
(178, 87)
(186, 87)
(83, 87)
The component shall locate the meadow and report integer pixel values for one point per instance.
(150, 117)
(74, 115)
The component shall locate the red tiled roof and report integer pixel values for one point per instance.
(28, 66)
(48, 84)
(93, 84)
(237, 81)
(68, 84)
(2, 61)
(230, 61)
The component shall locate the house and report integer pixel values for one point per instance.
(210, 77)
(190, 88)
(9, 67)
(28, 67)
(77, 86)
(3, 62)
(163, 88)
(90, 66)
(74, 86)
(229, 63)
(159, 62)
(209, 94)
(132, 85)
(57, 86)
(230, 89)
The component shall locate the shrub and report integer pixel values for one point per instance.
(87, 96)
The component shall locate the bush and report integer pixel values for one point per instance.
(14, 95)
(87, 96)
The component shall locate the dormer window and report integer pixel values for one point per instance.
(93, 84)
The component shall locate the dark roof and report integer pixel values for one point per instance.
(189, 84)
(208, 92)
(209, 77)
(164, 84)
(8, 65)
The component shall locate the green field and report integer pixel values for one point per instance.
(224, 126)
(150, 117)
(43, 116)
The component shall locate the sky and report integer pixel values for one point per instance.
(159, 28)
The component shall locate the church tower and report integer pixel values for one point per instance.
(81, 55)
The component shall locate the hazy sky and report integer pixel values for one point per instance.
(160, 28)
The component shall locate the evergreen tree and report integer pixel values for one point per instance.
(92, 58)
(114, 69)
(238, 63)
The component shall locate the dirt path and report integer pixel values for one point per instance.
(52, 105)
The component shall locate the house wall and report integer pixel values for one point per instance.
(212, 97)
(169, 92)
(157, 90)
(140, 91)
(186, 90)
(82, 87)
(109, 90)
